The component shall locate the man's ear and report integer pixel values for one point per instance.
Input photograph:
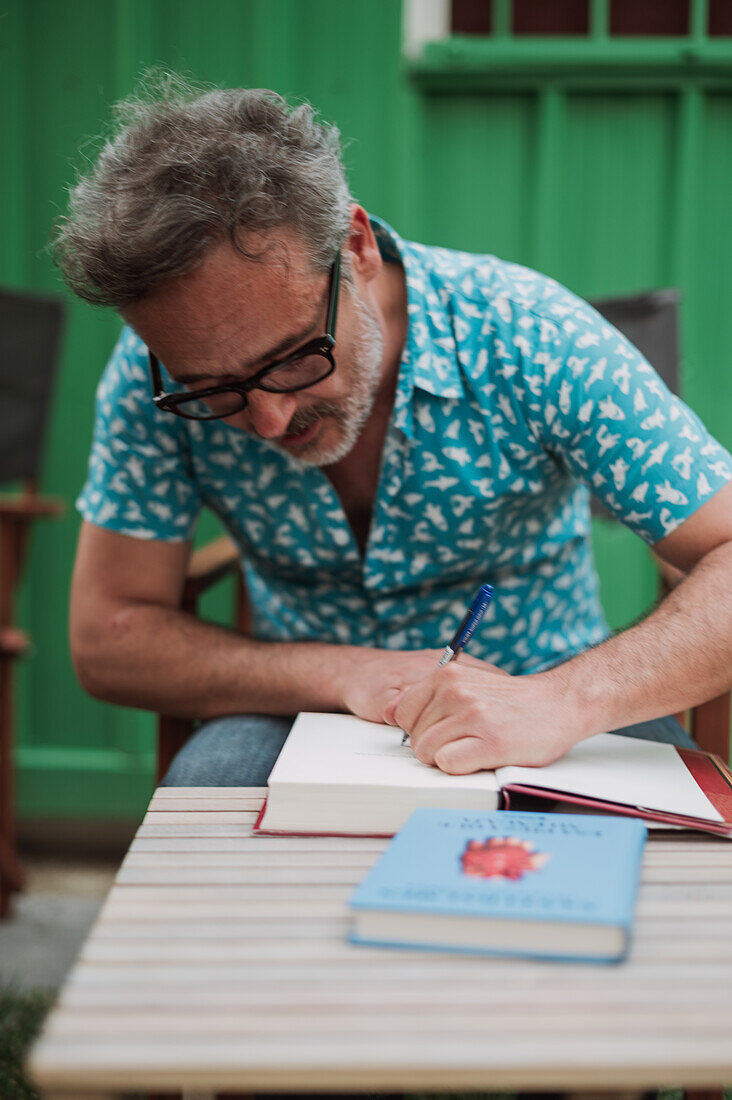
(366, 259)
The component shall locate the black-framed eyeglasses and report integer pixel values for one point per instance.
(310, 363)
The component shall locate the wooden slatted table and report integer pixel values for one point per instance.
(219, 962)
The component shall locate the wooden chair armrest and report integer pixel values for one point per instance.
(710, 725)
(13, 642)
(207, 566)
(29, 507)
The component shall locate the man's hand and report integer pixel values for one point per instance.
(464, 719)
(378, 677)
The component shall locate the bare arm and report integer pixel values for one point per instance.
(132, 645)
(466, 719)
(681, 654)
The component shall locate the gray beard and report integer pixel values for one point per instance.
(352, 412)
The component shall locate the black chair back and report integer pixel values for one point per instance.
(30, 342)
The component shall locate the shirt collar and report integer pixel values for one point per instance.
(430, 358)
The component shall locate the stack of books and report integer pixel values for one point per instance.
(467, 871)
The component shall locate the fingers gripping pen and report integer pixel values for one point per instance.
(465, 631)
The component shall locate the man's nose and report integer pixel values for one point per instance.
(269, 413)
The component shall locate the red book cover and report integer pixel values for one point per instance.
(709, 772)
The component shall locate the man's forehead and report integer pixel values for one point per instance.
(259, 264)
(256, 265)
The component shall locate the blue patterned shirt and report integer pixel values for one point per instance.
(514, 398)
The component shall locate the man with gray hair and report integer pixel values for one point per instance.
(381, 426)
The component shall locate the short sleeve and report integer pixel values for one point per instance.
(601, 409)
(139, 481)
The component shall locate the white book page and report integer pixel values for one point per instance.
(326, 751)
(621, 769)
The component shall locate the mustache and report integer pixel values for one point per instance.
(303, 418)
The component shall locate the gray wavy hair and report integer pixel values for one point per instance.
(187, 169)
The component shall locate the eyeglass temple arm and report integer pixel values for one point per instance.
(330, 321)
(155, 376)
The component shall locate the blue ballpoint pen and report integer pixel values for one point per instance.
(464, 632)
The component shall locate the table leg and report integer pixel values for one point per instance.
(187, 1094)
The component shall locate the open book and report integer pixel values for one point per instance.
(341, 776)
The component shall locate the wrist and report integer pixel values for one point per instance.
(346, 674)
(577, 708)
(305, 676)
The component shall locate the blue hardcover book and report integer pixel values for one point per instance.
(559, 886)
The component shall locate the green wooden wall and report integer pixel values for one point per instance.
(605, 164)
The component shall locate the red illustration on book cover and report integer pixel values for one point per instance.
(501, 857)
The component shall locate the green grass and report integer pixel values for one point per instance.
(21, 1017)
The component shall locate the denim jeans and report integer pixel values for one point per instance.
(240, 750)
